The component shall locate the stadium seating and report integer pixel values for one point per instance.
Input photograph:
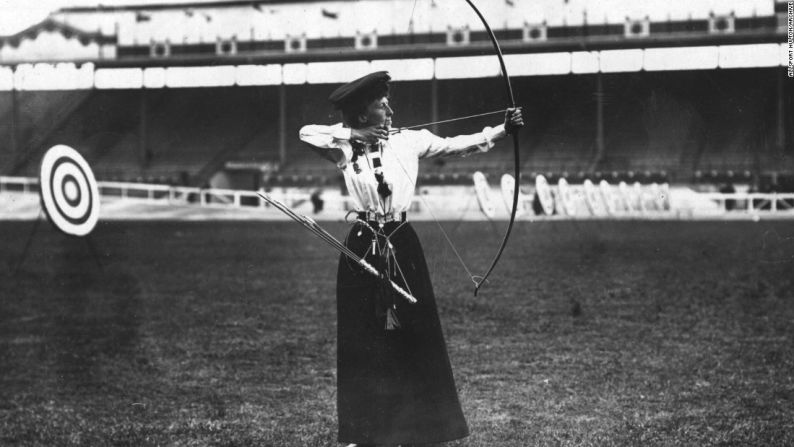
(7, 148)
(654, 123)
(39, 116)
(685, 126)
(187, 130)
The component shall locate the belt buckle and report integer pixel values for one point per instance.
(373, 216)
(382, 219)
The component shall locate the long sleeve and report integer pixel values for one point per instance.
(331, 142)
(462, 145)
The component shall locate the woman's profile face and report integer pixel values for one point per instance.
(378, 113)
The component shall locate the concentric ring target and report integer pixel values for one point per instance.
(483, 192)
(666, 200)
(639, 198)
(544, 195)
(593, 198)
(625, 196)
(568, 204)
(656, 195)
(508, 185)
(69, 192)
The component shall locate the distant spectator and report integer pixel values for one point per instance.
(317, 201)
(728, 188)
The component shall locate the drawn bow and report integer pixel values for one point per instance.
(478, 282)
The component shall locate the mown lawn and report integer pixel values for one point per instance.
(223, 333)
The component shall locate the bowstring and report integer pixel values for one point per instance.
(433, 215)
(472, 276)
(450, 120)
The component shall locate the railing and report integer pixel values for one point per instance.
(167, 194)
(753, 202)
(210, 197)
(778, 204)
(21, 184)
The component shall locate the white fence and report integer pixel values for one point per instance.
(162, 194)
(753, 202)
(685, 203)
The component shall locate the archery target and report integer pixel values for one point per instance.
(607, 196)
(566, 197)
(639, 196)
(625, 196)
(593, 198)
(483, 192)
(508, 184)
(656, 195)
(544, 195)
(69, 192)
(665, 196)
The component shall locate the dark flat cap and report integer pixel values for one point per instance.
(366, 87)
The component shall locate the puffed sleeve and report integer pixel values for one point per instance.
(331, 142)
(430, 145)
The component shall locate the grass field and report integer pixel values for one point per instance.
(590, 333)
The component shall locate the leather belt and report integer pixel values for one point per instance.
(372, 216)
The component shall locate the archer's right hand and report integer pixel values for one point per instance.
(369, 135)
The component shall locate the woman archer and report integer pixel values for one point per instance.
(394, 379)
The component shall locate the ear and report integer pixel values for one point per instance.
(362, 119)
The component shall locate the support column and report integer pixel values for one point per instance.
(780, 141)
(599, 140)
(434, 104)
(143, 129)
(15, 155)
(282, 124)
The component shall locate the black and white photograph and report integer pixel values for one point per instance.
(396, 223)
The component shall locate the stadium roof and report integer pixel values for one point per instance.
(166, 5)
(50, 24)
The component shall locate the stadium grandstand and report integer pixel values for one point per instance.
(213, 93)
(181, 269)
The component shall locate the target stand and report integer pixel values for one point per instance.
(69, 196)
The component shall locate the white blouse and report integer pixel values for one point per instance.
(399, 156)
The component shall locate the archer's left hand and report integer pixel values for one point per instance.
(513, 120)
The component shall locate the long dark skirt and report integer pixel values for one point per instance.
(394, 386)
